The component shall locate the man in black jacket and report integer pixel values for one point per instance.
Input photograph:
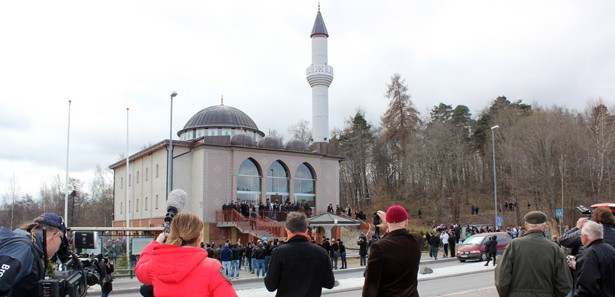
(393, 262)
(491, 249)
(299, 267)
(596, 265)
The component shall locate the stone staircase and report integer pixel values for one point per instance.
(257, 227)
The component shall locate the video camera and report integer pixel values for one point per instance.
(584, 211)
(80, 273)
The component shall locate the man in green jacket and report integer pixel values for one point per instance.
(533, 265)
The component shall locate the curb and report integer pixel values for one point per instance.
(96, 288)
(333, 291)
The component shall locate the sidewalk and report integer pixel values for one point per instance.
(351, 284)
(127, 285)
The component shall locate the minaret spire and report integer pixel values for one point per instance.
(320, 76)
(221, 99)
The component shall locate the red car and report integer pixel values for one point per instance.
(609, 205)
(474, 247)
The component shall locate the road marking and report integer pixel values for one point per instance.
(470, 291)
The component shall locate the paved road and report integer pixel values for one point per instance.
(129, 287)
(477, 284)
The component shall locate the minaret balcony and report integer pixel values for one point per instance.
(319, 75)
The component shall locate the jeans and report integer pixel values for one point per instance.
(445, 250)
(250, 261)
(266, 266)
(362, 260)
(344, 263)
(334, 257)
(227, 265)
(236, 268)
(434, 251)
(259, 265)
(489, 256)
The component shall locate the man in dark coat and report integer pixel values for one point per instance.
(533, 265)
(299, 267)
(596, 265)
(362, 250)
(393, 261)
(452, 241)
(491, 249)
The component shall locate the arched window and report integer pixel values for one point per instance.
(305, 185)
(277, 183)
(157, 170)
(248, 182)
(146, 174)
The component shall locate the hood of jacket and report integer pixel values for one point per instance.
(172, 263)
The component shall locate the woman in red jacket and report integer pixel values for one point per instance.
(179, 267)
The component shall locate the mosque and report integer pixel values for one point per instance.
(222, 157)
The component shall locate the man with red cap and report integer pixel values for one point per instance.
(393, 262)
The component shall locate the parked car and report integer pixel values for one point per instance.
(474, 247)
(609, 205)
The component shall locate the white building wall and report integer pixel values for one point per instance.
(208, 174)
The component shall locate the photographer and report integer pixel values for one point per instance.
(105, 268)
(22, 254)
(377, 222)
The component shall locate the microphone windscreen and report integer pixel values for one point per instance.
(177, 199)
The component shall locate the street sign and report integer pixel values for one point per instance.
(559, 213)
(499, 220)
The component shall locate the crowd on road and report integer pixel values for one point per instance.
(532, 264)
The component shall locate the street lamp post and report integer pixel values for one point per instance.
(170, 166)
(495, 189)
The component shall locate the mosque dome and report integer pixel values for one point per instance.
(242, 139)
(219, 120)
(271, 143)
(296, 145)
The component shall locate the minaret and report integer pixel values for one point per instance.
(320, 76)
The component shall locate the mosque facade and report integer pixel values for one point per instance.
(222, 157)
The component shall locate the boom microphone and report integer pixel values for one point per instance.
(175, 203)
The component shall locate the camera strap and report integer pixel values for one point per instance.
(45, 261)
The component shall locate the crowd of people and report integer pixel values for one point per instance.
(273, 210)
(297, 267)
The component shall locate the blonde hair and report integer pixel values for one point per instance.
(185, 229)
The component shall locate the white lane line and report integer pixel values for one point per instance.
(470, 291)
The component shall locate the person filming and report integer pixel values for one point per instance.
(25, 252)
(180, 267)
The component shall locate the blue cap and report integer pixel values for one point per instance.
(51, 219)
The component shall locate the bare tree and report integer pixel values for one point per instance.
(275, 134)
(301, 131)
(11, 198)
(102, 197)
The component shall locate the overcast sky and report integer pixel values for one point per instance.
(107, 56)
